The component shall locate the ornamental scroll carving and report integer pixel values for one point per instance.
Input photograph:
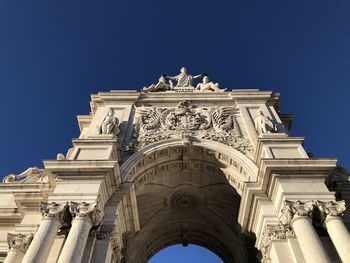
(213, 123)
(31, 175)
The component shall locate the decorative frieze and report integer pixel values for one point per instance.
(19, 241)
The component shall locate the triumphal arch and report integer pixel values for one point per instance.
(182, 161)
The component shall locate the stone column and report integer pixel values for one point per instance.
(331, 216)
(85, 217)
(54, 216)
(18, 245)
(297, 214)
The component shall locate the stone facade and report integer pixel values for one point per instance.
(173, 165)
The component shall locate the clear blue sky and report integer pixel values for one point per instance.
(54, 54)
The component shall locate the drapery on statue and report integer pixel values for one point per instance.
(162, 85)
(110, 124)
(263, 124)
(207, 85)
(184, 79)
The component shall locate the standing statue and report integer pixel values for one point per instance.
(110, 124)
(208, 86)
(162, 85)
(184, 79)
(263, 124)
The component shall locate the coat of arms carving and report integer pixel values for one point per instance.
(213, 123)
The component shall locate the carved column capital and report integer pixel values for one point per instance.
(271, 233)
(56, 211)
(296, 209)
(84, 209)
(19, 241)
(331, 209)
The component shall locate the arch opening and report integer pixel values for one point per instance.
(188, 194)
(190, 253)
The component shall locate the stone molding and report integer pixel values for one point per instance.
(19, 241)
(83, 209)
(271, 233)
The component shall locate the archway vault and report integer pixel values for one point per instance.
(188, 193)
(237, 167)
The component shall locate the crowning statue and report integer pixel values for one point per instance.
(184, 82)
(208, 86)
(110, 124)
(162, 85)
(184, 79)
(263, 124)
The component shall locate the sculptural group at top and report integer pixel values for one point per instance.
(184, 82)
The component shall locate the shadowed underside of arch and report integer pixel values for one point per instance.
(188, 193)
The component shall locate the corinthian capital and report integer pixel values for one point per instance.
(54, 210)
(331, 209)
(19, 241)
(297, 208)
(84, 209)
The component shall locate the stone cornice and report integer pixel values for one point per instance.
(253, 191)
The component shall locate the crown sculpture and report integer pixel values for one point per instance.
(184, 83)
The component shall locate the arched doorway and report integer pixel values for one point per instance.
(188, 192)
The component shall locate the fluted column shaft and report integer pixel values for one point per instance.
(85, 216)
(309, 242)
(40, 247)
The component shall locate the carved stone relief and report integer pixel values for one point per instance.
(31, 175)
(110, 124)
(273, 232)
(19, 241)
(264, 124)
(214, 123)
